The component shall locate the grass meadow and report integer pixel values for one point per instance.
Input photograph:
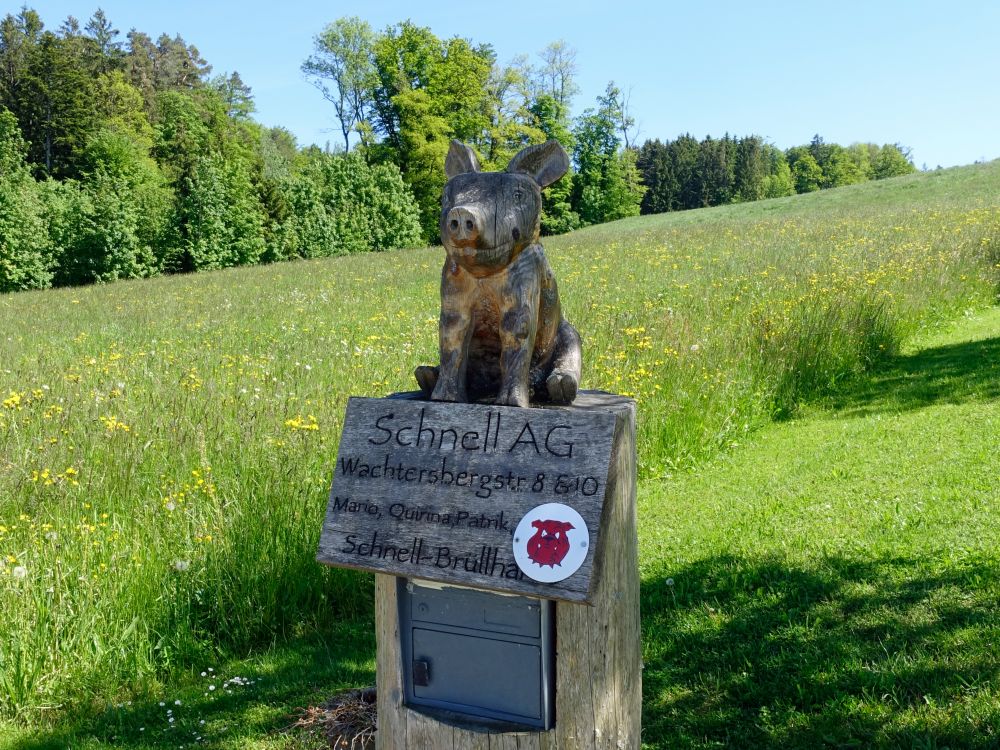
(834, 582)
(166, 445)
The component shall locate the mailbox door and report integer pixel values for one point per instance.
(476, 653)
(478, 674)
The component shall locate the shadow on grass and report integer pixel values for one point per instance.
(743, 653)
(251, 699)
(955, 373)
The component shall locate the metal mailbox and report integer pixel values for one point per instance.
(488, 657)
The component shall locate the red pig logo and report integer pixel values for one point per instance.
(549, 545)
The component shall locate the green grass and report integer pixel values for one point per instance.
(835, 583)
(832, 584)
(254, 704)
(165, 445)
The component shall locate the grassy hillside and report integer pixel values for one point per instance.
(835, 582)
(165, 445)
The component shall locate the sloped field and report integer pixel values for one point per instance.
(166, 445)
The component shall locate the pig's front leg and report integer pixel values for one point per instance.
(518, 326)
(454, 332)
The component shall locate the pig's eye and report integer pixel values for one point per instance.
(518, 196)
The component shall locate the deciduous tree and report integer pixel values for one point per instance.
(342, 67)
(606, 186)
(557, 75)
(24, 248)
(117, 213)
(892, 160)
(806, 173)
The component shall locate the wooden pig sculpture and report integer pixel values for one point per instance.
(501, 329)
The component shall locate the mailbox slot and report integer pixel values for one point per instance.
(485, 656)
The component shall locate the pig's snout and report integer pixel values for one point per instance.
(464, 224)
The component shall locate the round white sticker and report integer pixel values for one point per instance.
(551, 542)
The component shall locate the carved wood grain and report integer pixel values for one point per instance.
(598, 660)
(591, 431)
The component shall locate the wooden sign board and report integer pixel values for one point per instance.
(435, 491)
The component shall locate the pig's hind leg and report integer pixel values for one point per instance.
(564, 380)
(427, 378)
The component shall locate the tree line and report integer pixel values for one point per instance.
(126, 157)
(687, 173)
(400, 95)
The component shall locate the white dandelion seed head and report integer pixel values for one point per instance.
(181, 565)
(19, 572)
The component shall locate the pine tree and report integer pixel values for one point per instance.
(748, 169)
(715, 169)
(18, 37)
(56, 106)
(105, 53)
(653, 163)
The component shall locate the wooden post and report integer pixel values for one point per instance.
(598, 656)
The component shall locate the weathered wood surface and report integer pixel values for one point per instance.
(435, 491)
(598, 662)
(501, 332)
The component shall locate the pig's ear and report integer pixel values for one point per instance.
(546, 162)
(460, 159)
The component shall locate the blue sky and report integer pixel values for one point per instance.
(924, 74)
